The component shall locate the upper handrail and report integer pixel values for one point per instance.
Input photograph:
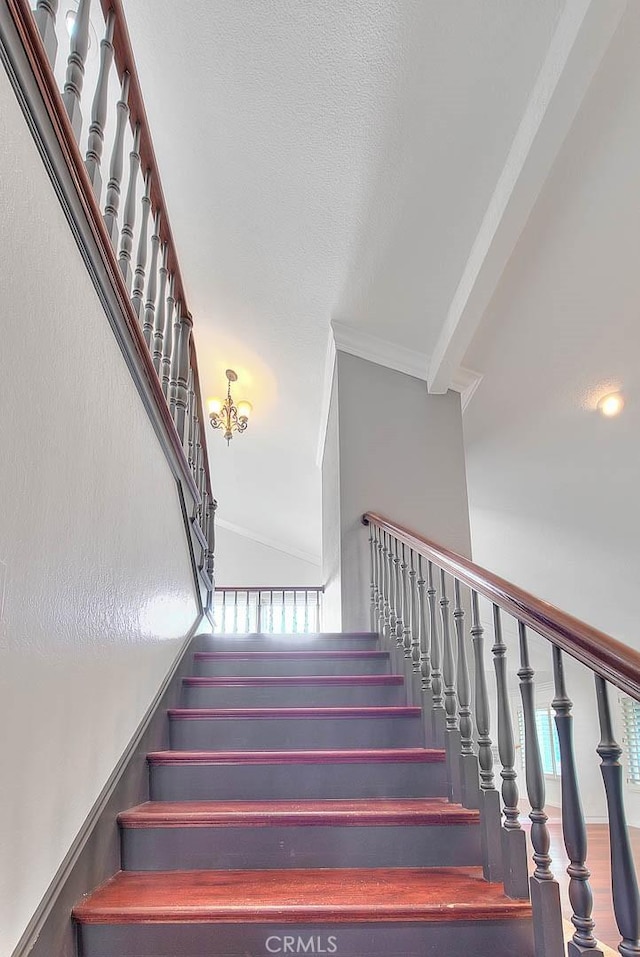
(603, 654)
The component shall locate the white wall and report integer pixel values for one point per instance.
(95, 583)
(401, 454)
(553, 486)
(331, 549)
(243, 561)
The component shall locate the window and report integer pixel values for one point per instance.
(547, 739)
(631, 720)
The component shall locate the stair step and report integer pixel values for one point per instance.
(266, 834)
(294, 690)
(262, 663)
(426, 812)
(329, 641)
(251, 729)
(348, 911)
(347, 894)
(291, 775)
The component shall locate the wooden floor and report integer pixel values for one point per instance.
(599, 864)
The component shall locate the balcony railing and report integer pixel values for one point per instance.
(427, 603)
(292, 611)
(87, 84)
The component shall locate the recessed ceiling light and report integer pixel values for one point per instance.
(611, 404)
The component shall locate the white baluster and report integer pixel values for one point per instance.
(112, 203)
(99, 109)
(129, 219)
(45, 17)
(75, 66)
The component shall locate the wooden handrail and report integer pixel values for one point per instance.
(602, 654)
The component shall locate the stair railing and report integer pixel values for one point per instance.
(439, 675)
(86, 76)
(256, 610)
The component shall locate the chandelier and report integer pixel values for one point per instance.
(226, 415)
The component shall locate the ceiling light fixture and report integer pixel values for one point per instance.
(226, 415)
(611, 404)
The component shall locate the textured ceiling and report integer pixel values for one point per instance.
(323, 160)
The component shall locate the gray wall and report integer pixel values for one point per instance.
(401, 454)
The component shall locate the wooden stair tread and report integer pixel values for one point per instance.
(382, 756)
(272, 681)
(286, 655)
(371, 895)
(390, 711)
(401, 811)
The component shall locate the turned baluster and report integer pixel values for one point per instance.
(452, 733)
(514, 849)
(137, 295)
(75, 66)
(415, 615)
(45, 17)
(159, 321)
(112, 201)
(181, 350)
(425, 645)
(167, 342)
(191, 426)
(211, 541)
(386, 606)
(545, 893)
(468, 760)
(175, 360)
(399, 595)
(372, 581)
(490, 830)
(381, 582)
(406, 605)
(95, 142)
(438, 713)
(624, 884)
(152, 284)
(129, 216)
(574, 830)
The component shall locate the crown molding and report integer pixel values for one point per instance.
(268, 542)
(356, 342)
(465, 381)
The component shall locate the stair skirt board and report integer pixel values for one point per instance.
(295, 728)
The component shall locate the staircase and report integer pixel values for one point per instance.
(299, 810)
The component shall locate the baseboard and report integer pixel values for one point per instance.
(95, 853)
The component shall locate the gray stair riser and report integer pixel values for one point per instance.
(485, 938)
(297, 696)
(202, 848)
(219, 668)
(296, 643)
(294, 734)
(236, 782)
